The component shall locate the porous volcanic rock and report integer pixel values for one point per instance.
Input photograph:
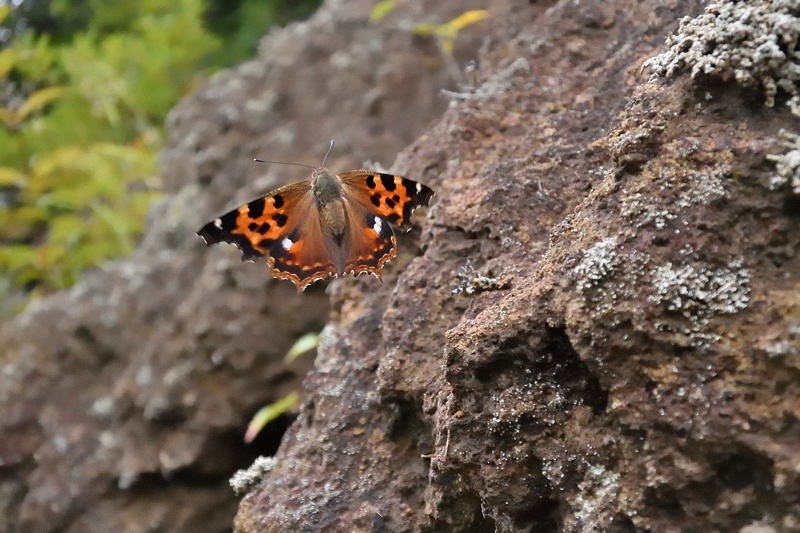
(123, 401)
(601, 328)
(595, 326)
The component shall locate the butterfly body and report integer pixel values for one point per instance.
(328, 226)
(328, 194)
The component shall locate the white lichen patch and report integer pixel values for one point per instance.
(787, 165)
(687, 189)
(782, 343)
(703, 187)
(754, 43)
(598, 262)
(643, 211)
(698, 294)
(599, 490)
(472, 282)
(694, 291)
(607, 277)
(244, 480)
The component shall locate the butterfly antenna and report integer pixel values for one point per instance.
(326, 153)
(282, 163)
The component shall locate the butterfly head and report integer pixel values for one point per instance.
(326, 185)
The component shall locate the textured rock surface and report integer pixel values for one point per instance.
(596, 327)
(601, 329)
(123, 401)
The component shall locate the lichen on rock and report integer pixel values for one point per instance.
(245, 479)
(700, 293)
(753, 43)
(787, 164)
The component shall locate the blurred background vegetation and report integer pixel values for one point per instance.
(85, 86)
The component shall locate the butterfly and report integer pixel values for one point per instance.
(330, 225)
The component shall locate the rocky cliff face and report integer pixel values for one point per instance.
(595, 326)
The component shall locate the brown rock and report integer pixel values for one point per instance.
(583, 343)
(124, 401)
(595, 329)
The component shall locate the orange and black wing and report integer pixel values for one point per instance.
(369, 241)
(392, 197)
(283, 225)
(257, 225)
(374, 202)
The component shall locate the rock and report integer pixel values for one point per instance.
(124, 400)
(595, 327)
(616, 375)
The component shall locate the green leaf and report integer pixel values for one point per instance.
(304, 344)
(16, 256)
(39, 99)
(67, 229)
(381, 9)
(8, 58)
(117, 224)
(267, 414)
(423, 28)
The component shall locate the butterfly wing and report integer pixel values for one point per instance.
(283, 225)
(373, 200)
(369, 242)
(286, 226)
(392, 197)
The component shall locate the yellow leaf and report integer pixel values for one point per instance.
(449, 30)
(381, 9)
(468, 18)
(8, 58)
(38, 99)
(11, 176)
(267, 414)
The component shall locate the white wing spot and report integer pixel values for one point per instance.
(419, 188)
(287, 244)
(218, 223)
(378, 226)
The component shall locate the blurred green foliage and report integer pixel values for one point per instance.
(85, 86)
